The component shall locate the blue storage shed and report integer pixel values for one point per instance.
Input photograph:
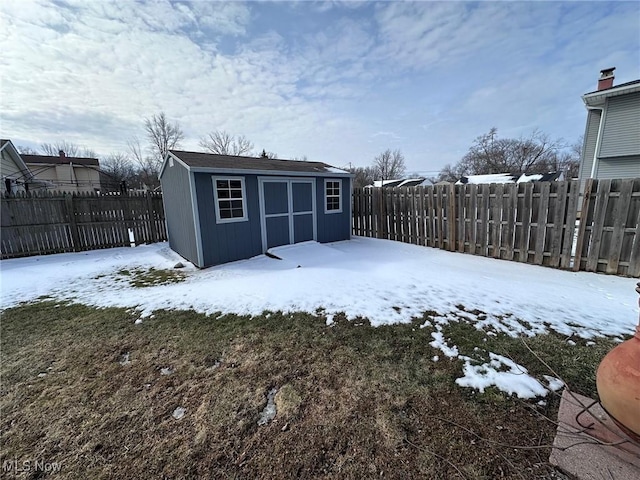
(221, 208)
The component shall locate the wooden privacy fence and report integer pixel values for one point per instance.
(533, 223)
(609, 238)
(43, 223)
(529, 222)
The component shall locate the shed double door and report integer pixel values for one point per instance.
(287, 211)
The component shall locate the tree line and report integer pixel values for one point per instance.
(388, 165)
(534, 153)
(488, 154)
(139, 165)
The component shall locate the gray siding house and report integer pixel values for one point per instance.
(222, 208)
(15, 173)
(611, 146)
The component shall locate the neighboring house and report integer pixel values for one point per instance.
(510, 178)
(69, 174)
(402, 182)
(221, 208)
(611, 146)
(16, 176)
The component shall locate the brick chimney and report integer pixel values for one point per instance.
(606, 78)
(61, 153)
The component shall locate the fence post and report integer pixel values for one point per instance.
(451, 218)
(73, 226)
(634, 257)
(584, 214)
(151, 216)
(570, 227)
(380, 219)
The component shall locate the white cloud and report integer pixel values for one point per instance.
(224, 18)
(431, 75)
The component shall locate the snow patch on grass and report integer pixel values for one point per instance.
(507, 376)
(179, 412)
(269, 412)
(440, 343)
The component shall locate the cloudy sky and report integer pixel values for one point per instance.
(338, 82)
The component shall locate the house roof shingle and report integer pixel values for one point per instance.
(199, 160)
(60, 160)
(626, 84)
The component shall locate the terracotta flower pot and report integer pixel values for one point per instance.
(618, 383)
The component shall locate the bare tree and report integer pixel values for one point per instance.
(146, 165)
(389, 165)
(162, 136)
(118, 172)
(70, 149)
(136, 152)
(572, 164)
(569, 160)
(535, 153)
(26, 150)
(363, 176)
(448, 174)
(266, 154)
(223, 143)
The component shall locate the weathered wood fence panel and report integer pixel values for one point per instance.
(534, 223)
(609, 235)
(44, 223)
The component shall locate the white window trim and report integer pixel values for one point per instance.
(216, 200)
(339, 210)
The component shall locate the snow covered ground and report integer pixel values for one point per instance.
(385, 281)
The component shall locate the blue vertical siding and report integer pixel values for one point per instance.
(176, 196)
(227, 242)
(333, 226)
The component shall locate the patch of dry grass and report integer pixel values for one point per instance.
(140, 277)
(84, 387)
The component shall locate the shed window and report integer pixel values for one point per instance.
(230, 199)
(333, 199)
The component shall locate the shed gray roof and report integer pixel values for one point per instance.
(197, 160)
